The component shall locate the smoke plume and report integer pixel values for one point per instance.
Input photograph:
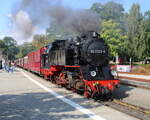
(23, 24)
(32, 14)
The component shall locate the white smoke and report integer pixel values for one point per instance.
(32, 15)
(22, 27)
(24, 23)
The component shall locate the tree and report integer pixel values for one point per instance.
(97, 8)
(134, 20)
(10, 49)
(9, 41)
(144, 37)
(110, 10)
(113, 36)
(24, 49)
(2, 45)
(57, 31)
(41, 40)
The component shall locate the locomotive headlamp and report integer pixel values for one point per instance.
(77, 43)
(93, 73)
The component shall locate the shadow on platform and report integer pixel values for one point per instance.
(121, 92)
(36, 106)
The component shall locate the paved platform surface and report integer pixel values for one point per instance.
(135, 83)
(146, 77)
(137, 80)
(23, 99)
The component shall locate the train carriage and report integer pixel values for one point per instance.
(25, 65)
(34, 61)
(20, 62)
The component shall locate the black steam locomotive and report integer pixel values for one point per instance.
(88, 51)
(79, 63)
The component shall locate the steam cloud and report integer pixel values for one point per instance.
(34, 13)
(23, 24)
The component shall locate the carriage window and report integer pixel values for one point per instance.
(36, 57)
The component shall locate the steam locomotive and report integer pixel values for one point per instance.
(80, 64)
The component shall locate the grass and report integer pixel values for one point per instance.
(143, 68)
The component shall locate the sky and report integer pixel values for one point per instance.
(6, 8)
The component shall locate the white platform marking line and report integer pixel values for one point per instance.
(73, 104)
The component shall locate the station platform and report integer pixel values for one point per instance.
(137, 76)
(25, 96)
(135, 79)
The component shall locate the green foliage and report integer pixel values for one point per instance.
(144, 37)
(10, 48)
(9, 41)
(112, 34)
(110, 10)
(2, 45)
(59, 32)
(24, 49)
(41, 40)
(113, 26)
(134, 20)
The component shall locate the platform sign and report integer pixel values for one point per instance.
(124, 68)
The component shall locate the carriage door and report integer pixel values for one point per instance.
(45, 63)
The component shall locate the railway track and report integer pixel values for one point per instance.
(132, 110)
(132, 106)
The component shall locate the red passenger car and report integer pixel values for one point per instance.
(20, 62)
(25, 65)
(34, 61)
